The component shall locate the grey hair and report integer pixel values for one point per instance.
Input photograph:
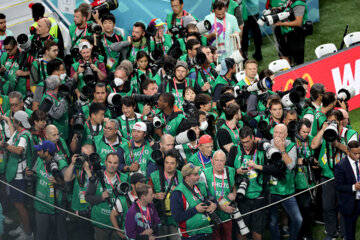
(219, 152)
(16, 94)
(115, 122)
(52, 82)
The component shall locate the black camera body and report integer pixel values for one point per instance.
(81, 158)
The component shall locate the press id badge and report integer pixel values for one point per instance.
(252, 174)
(109, 62)
(273, 181)
(82, 197)
(1, 156)
(52, 190)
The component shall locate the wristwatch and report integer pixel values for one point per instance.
(283, 152)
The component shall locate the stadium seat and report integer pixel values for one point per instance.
(279, 65)
(352, 38)
(325, 49)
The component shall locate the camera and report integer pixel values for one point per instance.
(185, 137)
(89, 76)
(346, 93)
(331, 133)
(236, 215)
(85, 94)
(95, 162)
(46, 105)
(189, 108)
(203, 26)
(212, 216)
(105, 6)
(122, 189)
(26, 44)
(67, 88)
(292, 97)
(114, 99)
(28, 100)
(157, 121)
(271, 152)
(81, 158)
(243, 185)
(264, 129)
(55, 171)
(178, 30)
(157, 156)
(79, 121)
(270, 17)
(200, 58)
(150, 100)
(156, 54)
(94, 28)
(264, 84)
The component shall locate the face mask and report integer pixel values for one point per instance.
(63, 76)
(118, 82)
(204, 125)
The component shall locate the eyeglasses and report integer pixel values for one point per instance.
(14, 104)
(109, 128)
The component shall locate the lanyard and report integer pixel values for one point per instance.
(47, 174)
(299, 148)
(133, 49)
(111, 147)
(2, 110)
(222, 184)
(147, 216)
(176, 89)
(107, 46)
(18, 136)
(227, 80)
(201, 159)
(224, 25)
(12, 64)
(109, 180)
(141, 154)
(168, 180)
(237, 139)
(208, 73)
(201, 196)
(191, 148)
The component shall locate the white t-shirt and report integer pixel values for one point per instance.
(21, 165)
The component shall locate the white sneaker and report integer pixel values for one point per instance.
(19, 230)
(8, 220)
(24, 236)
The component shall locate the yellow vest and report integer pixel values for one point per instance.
(54, 27)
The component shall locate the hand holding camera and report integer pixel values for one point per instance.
(201, 207)
(105, 195)
(134, 167)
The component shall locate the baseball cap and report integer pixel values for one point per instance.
(46, 145)
(141, 126)
(137, 177)
(189, 169)
(84, 45)
(205, 139)
(22, 117)
(157, 22)
(181, 64)
(188, 19)
(226, 64)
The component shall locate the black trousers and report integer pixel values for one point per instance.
(251, 23)
(350, 222)
(295, 45)
(304, 202)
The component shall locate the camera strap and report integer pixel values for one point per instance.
(196, 195)
(330, 157)
(128, 130)
(62, 149)
(80, 176)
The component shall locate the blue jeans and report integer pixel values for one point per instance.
(294, 214)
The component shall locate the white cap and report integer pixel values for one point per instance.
(22, 117)
(84, 45)
(141, 126)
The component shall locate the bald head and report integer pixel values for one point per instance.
(52, 133)
(43, 27)
(166, 142)
(280, 130)
(219, 154)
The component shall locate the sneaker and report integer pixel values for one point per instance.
(284, 231)
(318, 221)
(19, 230)
(24, 236)
(8, 220)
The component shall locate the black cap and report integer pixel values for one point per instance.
(137, 177)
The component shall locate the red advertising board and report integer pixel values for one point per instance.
(335, 72)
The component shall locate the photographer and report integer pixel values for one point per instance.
(49, 187)
(304, 177)
(329, 151)
(219, 179)
(281, 188)
(177, 85)
(137, 151)
(191, 47)
(314, 102)
(148, 228)
(203, 157)
(187, 150)
(190, 205)
(162, 41)
(19, 156)
(204, 74)
(150, 88)
(175, 18)
(292, 47)
(62, 151)
(79, 172)
(276, 110)
(79, 28)
(58, 111)
(87, 66)
(109, 36)
(170, 117)
(110, 141)
(228, 133)
(249, 163)
(328, 103)
(164, 181)
(129, 117)
(38, 11)
(250, 69)
(101, 195)
(121, 83)
(226, 77)
(14, 68)
(100, 95)
(139, 42)
(39, 71)
(92, 127)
